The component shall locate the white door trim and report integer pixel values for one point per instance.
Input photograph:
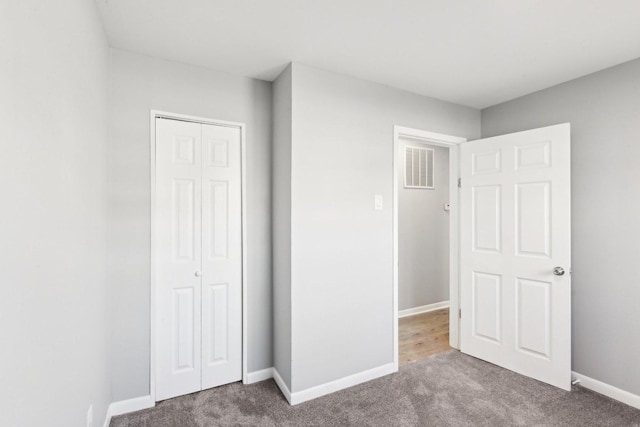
(153, 114)
(451, 142)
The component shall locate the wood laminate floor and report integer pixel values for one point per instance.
(423, 335)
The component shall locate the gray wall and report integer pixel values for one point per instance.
(53, 221)
(341, 258)
(423, 235)
(139, 84)
(604, 112)
(282, 121)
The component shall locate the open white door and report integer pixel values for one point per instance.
(515, 253)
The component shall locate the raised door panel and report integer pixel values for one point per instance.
(486, 306)
(533, 219)
(217, 152)
(488, 162)
(531, 156)
(486, 217)
(184, 150)
(217, 302)
(533, 317)
(218, 219)
(183, 328)
(184, 219)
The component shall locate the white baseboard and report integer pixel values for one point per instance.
(423, 309)
(608, 390)
(261, 375)
(126, 406)
(107, 418)
(282, 385)
(339, 384)
(144, 402)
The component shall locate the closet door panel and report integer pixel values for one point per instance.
(221, 256)
(177, 237)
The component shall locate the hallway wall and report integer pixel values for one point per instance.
(423, 235)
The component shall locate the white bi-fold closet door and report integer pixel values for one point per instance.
(198, 257)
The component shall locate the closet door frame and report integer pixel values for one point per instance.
(153, 115)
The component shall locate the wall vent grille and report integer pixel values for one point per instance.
(418, 167)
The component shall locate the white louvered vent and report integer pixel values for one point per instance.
(418, 167)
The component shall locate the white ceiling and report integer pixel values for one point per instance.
(471, 52)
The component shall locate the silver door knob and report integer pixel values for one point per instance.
(198, 273)
(558, 271)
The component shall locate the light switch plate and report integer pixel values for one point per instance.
(378, 202)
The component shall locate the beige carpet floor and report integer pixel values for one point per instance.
(448, 389)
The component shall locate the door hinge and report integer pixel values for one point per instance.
(459, 313)
(459, 182)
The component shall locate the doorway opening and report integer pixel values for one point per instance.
(425, 243)
(423, 250)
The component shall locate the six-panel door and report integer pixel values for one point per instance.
(198, 271)
(515, 229)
